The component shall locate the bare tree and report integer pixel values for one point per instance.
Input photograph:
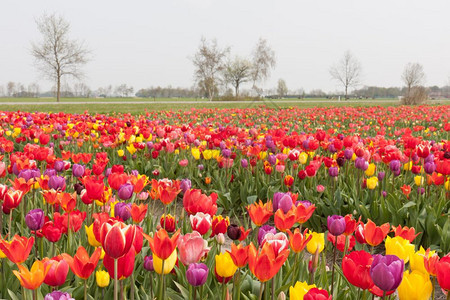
(10, 88)
(237, 72)
(413, 75)
(263, 60)
(347, 71)
(57, 55)
(282, 88)
(209, 62)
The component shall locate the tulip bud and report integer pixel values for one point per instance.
(148, 263)
(233, 232)
(220, 238)
(281, 296)
(102, 278)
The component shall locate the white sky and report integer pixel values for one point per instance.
(145, 43)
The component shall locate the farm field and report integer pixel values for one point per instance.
(342, 200)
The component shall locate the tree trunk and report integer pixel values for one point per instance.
(346, 97)
(236, 90)
(58, 89)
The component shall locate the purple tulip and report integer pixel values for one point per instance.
(305, 144)
(15, 169)
(196, 274)
(59, 166)
(35, 219)
(361, 163)
(272, 159)
(336, 224)
(58, 295)
(429, 167)
(125, 191)
(185, 185)
(57, 183)
(35, 173)
(283, 201)
(78, 170)
(305, 203)
(148, 263)
(429, 158)
(135, 173)
(381, 176)
(420, 190)
(108, 172)
(395, 165)
(387, 271)
(50, 172)
(200, 167)
(263, 230)
(122, 210)
(226, 153)
(25, 174)
(333, 171)
(384, 194)
(244, 163)
(348, 153)
(331, 148)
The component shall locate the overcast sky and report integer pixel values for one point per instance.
(149, 43)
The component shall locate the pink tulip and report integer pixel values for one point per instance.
(192, 247)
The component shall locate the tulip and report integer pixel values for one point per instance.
(122, 210)
(430, 260)
(196, 274)
(400, 247)
(148, 263)
(125, 264)
(185, 185)
(102, 278)
(316, 243)
(417, 259)
(372, 183)
(415, 286)
(283, 201)
(336, 225)
(67, 201)
(78, 170)
(340, 242)
(81, 264)
(387, 272)
(167, 222)
(200, 222)
(239, 255)
(35, 219)
(234, 232)
(194, 201)
(304, 211)
(57, 272)
(11, 200)
(265, 262)
(263, 230)
(443, 272)
(33, 278)
(317, 294)
(356, 268)
(57, 183)
(373, 234)
(284, 221)
(298, 241)
(299, 290)
(138, 212)
(169, 263)
(51, 232)
(405, 232)
(94, 188)
(18, 249)
(117, 239)
(219, 225)
(260, 213)
(192, 247)
(225, 267)
(125, 191)
(162, 246)
(58, 295)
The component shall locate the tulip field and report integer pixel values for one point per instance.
(235, 203)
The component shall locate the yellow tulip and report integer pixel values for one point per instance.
(169, 263)
(400, 247)
(419, 180)
(447, 185)
(370, 170)
(102, 278)
(207, 154)
(372, 182)
(120, 152)
(416, 260)
(300, 289)
(407, 166)
(131, 149)
(415, 286)
(195, 153)
(225, 266)
(303, 158)
(317, 242)
(91, 237)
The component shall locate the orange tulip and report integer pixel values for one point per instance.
(18, 249)
(264, 263)
(51, 196)
(303, 213)
(43, 182)
(239, 254)
(20, 184)
(405, 232)
(139, 182)
(138, 212)
(68, 201)
(81, 264)
(406, 189)
(33, 278)
(374, 234)
(285, 221)
(260, 213)
(161, 245)
(430, 262)
(298, 241)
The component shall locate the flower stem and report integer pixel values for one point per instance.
(332, 270)
(224, 290)
(115, 279)
(261, 289)
(85, 289)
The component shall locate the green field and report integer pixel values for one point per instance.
(139, 105)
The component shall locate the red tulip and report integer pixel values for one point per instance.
(81, 264)
(51, 232)
(405, 232)
(200, 222)
(194, 201)
(297, 240)
(161, 245)
(125, 264)
(117, 239)
(57, 273)
(18, 249)
(374, 234)
(356, 268)
(443, 272)
(11, 200)
(138, 212)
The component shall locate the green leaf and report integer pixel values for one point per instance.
(12, 295)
